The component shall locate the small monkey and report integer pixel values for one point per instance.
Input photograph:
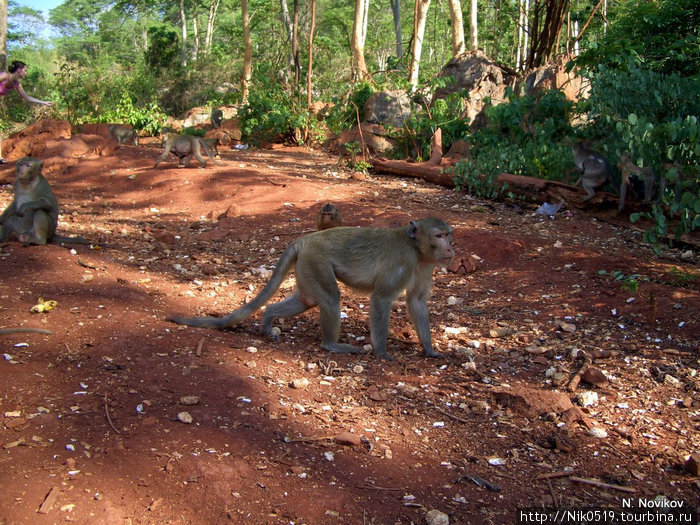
(629, 168)
(123, 134)
(217, 116)
(380, 261)
(594, 168)
(32, 215)
(328, 217)
(212, 144)
(183, 147)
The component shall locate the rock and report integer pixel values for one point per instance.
(347, 438)
(389, 107)
(593, 376)
(532, 402)
(185, 417)
(189, 400)
(436, 517)
(300, 384)
(568, 327)
(587, 399)
(692, 464)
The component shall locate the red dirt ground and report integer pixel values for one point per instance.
(89, 429)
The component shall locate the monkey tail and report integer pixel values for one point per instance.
(283, 267)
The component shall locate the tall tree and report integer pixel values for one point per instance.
(311, 54)
(547, 19)
(473, 26)
(420, 17)
(183, 34)
(357, 44)
(457, 27)
(396, 14)
(3, 35)
(248, 53)
(208, 39)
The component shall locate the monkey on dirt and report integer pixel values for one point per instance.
(380, 261)
(32, 215)
(594, 168)
(212, 144)
(123, 134)
(217, 117)
(328, 217)
(183, 147)
(628, 168)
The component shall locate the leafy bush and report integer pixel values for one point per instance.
(343, 114)
(528, 135)
(655, 117)
(150, 118)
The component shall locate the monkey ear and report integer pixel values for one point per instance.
(412, 229)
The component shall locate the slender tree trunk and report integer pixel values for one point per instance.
(543, 35)
(457, 22)
(208, 40)
(183, 28)
(360, 71)
(3, 35)
(295, 43)
(248, 53)
(289, 28)
(396, 12)
(311, 53)
(473, 27)
(195, 34)
(420, 17)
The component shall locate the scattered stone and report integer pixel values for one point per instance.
(568, 327)
(300, 384)
(669, 380)
(593, 376)
(532, 402)
(347, 438)
(692, 464)
(185, 417)
(407, 390)
(189, 400)
(597, 432)
(436, 517)
(587, 399)
(375, 394)
(504, 331)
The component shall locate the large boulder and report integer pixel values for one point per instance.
(554, 76)
(389, 108)
(480, 76)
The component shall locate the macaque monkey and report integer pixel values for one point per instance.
(33, 214)
(123, 134)
(380, 261)
(183, 147)
(212, 144)
(594, 168)
(328, 217)
(217, 116)
(628, 168)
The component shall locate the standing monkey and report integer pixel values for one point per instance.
(10, 81)
(32, 215)
(123, 134)
(380, 261)
(328, 217)
(183, 147)
(629, 168)
(594, 168)
(217, 117)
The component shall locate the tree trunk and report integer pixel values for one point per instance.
(183, 28)
(396, 12)
(360, 71)
(195, 35)
(295, 43)
(473, 27)
(544, 35)
(248, 54)
(289, 27)
(213, 8)
(420, 16)
(457, 27)
(3, 35)
(311, 54)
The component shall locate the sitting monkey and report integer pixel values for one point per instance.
(33, 214)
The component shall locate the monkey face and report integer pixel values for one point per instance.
(28, 168)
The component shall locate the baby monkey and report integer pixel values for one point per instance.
(123, 134)
(328, 217)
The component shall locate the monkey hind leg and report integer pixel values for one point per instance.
(291, 306)
(330, 332)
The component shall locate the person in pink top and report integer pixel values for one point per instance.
(9, 81)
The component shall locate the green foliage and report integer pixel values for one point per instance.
(655, 117)
(149, 118)
(345, 110)
(163, 49)
(664, 36)
(627, 282)
(195, 132)
(525, 136)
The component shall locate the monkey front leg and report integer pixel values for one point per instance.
(418, 310)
